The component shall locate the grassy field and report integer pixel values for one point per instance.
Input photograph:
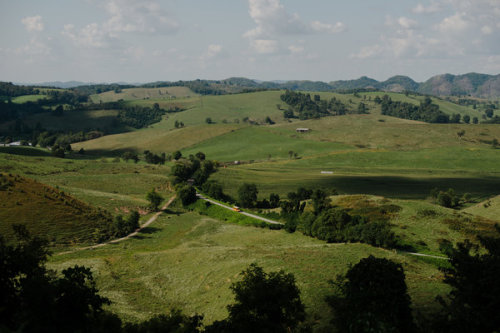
(47, 212)
(28, 98)
(489, 208)
(143, 93)
(189, 261)
(107, 183)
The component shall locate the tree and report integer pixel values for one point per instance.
(128, 155)
(177, 155)
(274, 200)
(475, 120)
(461, 133)
(201, 156)
(247, 195)
(208, 120)
(473, 303)
(264, 302)
(35, 299)
(372, 297)
(154, 199)
(320, 201)
(269, 121)
(187, 195)
(466, 119)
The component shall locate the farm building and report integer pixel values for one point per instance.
(302, 130)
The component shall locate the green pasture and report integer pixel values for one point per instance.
(28, 98)
(409, 175)
(261, 143)
(489, 208)
(188, 261)
(156, 138)
(111, 184)
(169, 93)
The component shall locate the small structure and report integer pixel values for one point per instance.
(302, 130)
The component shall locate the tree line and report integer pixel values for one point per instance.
(304, 107)
(426, 111)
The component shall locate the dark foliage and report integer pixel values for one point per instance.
(247, 195)
(187, 195)
(264, 302)
(372, 297)
(426, 111)
(139, 117)
(34, 299)
(306, 108)
(473, 303)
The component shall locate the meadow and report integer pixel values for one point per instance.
(188, 259)
(171, 265)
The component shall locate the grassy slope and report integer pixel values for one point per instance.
(115, 186)
(189, 262)
(47, 211)
(28, 98)
(144, 93)
(489, 208)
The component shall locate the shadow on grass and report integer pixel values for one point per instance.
(413, 187)
(149, 230)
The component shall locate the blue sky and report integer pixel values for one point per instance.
(144, 41)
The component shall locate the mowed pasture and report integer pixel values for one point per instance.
(189, 261)
(143, 94)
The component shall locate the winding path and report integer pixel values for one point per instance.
(276, 222)
(135, 233)
(257, 217)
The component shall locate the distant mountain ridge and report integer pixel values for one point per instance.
(471, 84)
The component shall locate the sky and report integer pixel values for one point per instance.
(167, 40)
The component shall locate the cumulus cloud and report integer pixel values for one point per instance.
(124, 17)
(273, 21)
(213, 50)
(265, 46)
(434, 7)
(91, 36)
(33, 23)
(453, 24)
(458, 27)
(137, 16)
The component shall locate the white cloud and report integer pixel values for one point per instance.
(407, 23)
(265, 46)
(33, 23)
(368, 52)
(135, 52)
(327, 28)
(91, 36)
(453, 24)
(273, 21)
(125, 17)
(295, 49)
(213, 50)
(434, 7)
(137, 16)
(487, 30)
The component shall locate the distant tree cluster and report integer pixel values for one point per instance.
(139, 117)
(426, 111)
(122, 227)
(8, 89)
(307, 108)
(449, 198)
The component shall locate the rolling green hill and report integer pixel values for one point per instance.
(48, 212)
(143, 93)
